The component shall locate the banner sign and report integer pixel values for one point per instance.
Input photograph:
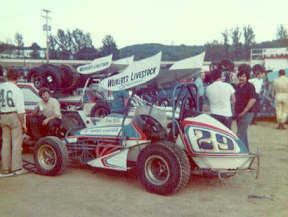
(124, 61)
(97, 65)
(135, 74)
(189, 63)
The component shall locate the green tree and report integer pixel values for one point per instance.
(281, 33)
(35, 51)
(19, 43)
(225, 35)
(87, 53)
(214, 51)
(249, 40)
(66, 44)
(236, 43)
(109, 47)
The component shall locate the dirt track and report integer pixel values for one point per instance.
(83, 192)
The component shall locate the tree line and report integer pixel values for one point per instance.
(236, 45)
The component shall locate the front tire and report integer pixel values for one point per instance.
(50, 156)
(163, 168)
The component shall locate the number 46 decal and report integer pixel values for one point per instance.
(209, 141)
(6, 98)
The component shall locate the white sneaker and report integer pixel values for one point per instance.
(2, 175)
(21, 172)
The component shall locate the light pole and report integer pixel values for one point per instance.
(46, 28)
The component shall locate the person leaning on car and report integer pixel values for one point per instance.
(12, 122)
(245, 100)
(46, 116)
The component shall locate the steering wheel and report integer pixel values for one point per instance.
(152, 128)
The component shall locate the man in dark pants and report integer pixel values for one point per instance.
(47, 116)
(245, 100)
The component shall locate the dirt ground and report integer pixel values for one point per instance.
(85, 192)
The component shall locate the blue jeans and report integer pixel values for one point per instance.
(242, 127)
(227, 121)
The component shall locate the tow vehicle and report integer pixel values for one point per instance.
(164, 154)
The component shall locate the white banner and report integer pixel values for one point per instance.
(135, 74)
(97, 65)
(189, 63)
(124, 61)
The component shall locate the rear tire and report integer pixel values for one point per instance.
(52, 77)
(163, 168)
(38, 81)
(50, 156)
(69, 76)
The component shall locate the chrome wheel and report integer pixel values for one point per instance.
(157, 170)
(47, 157)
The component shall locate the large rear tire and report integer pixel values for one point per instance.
(163, 168)
(50, 156)
(52, 76)
(69, 76)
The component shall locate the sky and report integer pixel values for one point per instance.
(130, 22)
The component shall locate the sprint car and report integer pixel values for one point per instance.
(165, 151)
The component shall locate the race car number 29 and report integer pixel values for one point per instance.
(209, 141)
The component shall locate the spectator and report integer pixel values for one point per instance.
(258, 84)
(221, 95)
(245, 100)
(12, 122)
(120, 101)
(200, 88)
(280, 86)
(47, 116)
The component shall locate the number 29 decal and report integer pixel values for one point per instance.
(210, 141)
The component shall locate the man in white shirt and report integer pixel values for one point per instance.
(257, 83)
(47, 116)
(200, 89)
(221, 95)
(12, 122)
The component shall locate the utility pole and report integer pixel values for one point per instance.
(46, 28)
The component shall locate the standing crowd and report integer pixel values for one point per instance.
(240, 100)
